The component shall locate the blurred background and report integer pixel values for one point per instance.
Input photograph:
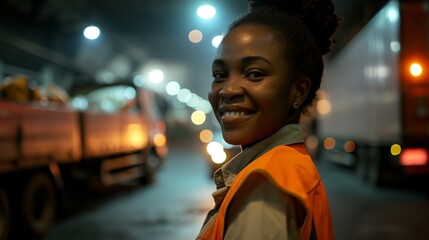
(106, 131)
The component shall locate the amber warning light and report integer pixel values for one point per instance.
(416, 69)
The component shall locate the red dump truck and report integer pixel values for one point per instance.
(115, 137)
(375, 98)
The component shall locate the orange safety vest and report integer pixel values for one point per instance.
(296, 176)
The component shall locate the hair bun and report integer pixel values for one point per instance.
(318, 15)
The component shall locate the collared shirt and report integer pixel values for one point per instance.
(247, 218)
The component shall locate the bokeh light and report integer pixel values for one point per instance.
(416, 69)
(198, 117)
(329, 143)
(206, 136)
(172, 88)
(395, 149)
(413, 157)
(91, 32)
(219, 157)
(184, 95)
(159, 139)
(195, 36)
(349, 146)
(312, 142)
(206, 12)
(193, 101)
(395, 46)
(138, 80)
(217, 40)
(205, 106)
(156, 76)
(323, 107)
(214, 147)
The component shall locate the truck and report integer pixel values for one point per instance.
(106, 136)
(374, 99)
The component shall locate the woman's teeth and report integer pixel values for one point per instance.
(234, 114)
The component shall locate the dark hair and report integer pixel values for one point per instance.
(306, 26)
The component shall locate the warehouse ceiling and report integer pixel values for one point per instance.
(136, 35)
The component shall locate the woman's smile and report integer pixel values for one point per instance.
(234, 116)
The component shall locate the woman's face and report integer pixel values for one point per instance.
(253, 90)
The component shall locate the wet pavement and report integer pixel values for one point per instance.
(172, 207)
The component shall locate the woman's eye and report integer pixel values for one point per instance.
(255, 75)
(219, 75)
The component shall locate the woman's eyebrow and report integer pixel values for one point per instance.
(245, 60)
(251, 59)
(218, 62)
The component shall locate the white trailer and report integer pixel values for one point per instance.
(375, 94)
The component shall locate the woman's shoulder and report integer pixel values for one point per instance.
(289, 168)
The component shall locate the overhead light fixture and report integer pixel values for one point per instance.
(91, 32)
(206, 11)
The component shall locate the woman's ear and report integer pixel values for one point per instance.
(301, 89)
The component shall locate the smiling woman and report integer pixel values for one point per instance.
(265, 74)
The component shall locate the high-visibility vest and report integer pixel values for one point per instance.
(291, 170)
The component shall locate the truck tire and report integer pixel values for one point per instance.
(5, 217)
(150, 168)
(38, 204)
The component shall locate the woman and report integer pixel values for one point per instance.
(266, 73)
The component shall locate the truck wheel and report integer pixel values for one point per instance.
(39, 204)
(5, 217)
(150, 168)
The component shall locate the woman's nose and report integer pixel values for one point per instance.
(232, 88)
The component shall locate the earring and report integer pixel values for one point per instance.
(296, 105)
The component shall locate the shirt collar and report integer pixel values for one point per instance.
(287, 135)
